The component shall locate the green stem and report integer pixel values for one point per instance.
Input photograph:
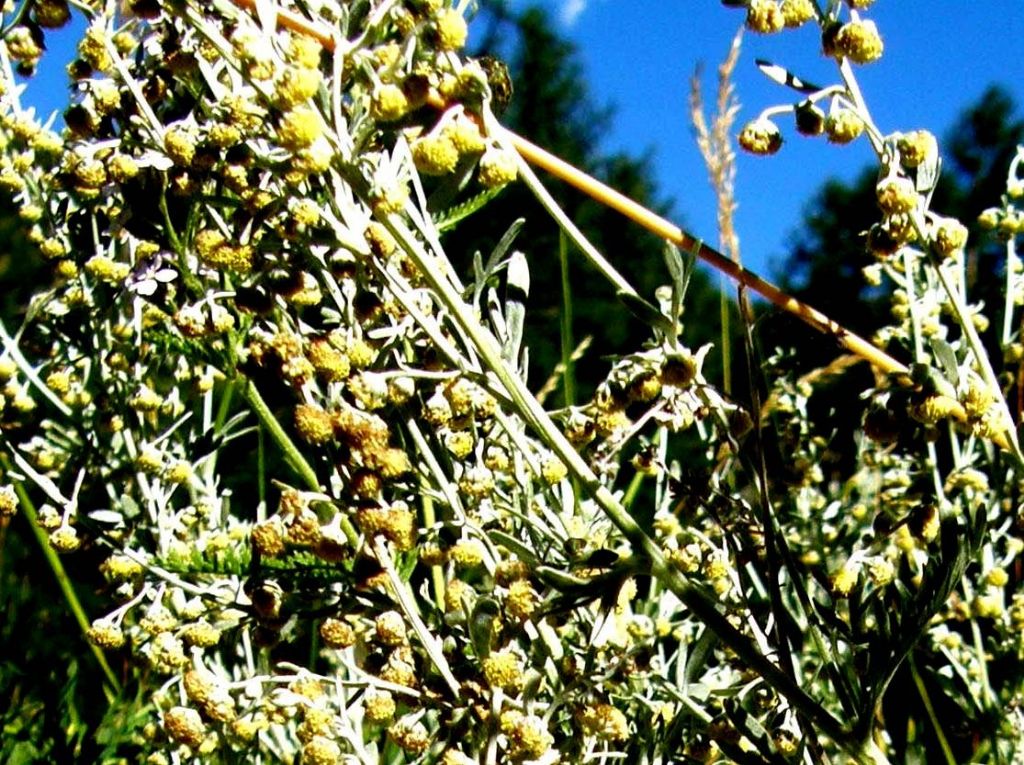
(633, 489)
(947, 751)
(568, 374)
(436, 572)
(723, 313)
(10, 345)
(292, 454)
(400, 589)
(978, 349)
(956, 301)
(224, 407)
(595, 258)
(261, 476)
(113, 687)
(568, 345)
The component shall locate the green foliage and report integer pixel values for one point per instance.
(828, 261)
(830, 254)
(56, 707)
(552, 107)
(304, 498)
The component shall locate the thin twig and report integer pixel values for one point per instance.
(400, 588)
(667, 230)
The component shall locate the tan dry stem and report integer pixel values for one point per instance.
(292, 21)
(663, 228)
(669, 231)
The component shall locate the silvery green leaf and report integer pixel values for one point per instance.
(522, 551)
(946, 357)
(674, 262)
(931, 381)
(453, 215)
(478, 267)
(496, 316)
(481, 624)
(680, 268)
(330, 317)
(55, 307)
(503, 245)
(108, 517)
(283, 698)
(517, 289)
(482, 274)
(644, 311)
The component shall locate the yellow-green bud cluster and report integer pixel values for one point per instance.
(410, 737)
(435, 154)
(297, 85)
(465, 134)
(107, 270)
(379, 705)
(916, 147)
(528, 735)
(949, 236)
(843, 125)
(450, 30)
(497, 167)
(185, 726)
(503, 669)
(93, 48)
(180, 145)
(762, 136)
(313, 424)
(320, 750)
(397, 524)
(796, 13)
(65, 539)
(389, 628)
(859, 41)
(765, 16)
(522, 600)
(605, 721)
(51, 14)
(8, 501)
(216, 251)
(896, 195)
(934, 408)
(467, 553)
(299, 128)
(845, 579)
(389, 103)
(106, 634)
(337, 633)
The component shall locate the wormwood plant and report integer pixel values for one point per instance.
(335, 523)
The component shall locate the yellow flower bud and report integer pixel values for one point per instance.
(761, 136)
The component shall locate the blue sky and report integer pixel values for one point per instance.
(639, 56)
(940, 55)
